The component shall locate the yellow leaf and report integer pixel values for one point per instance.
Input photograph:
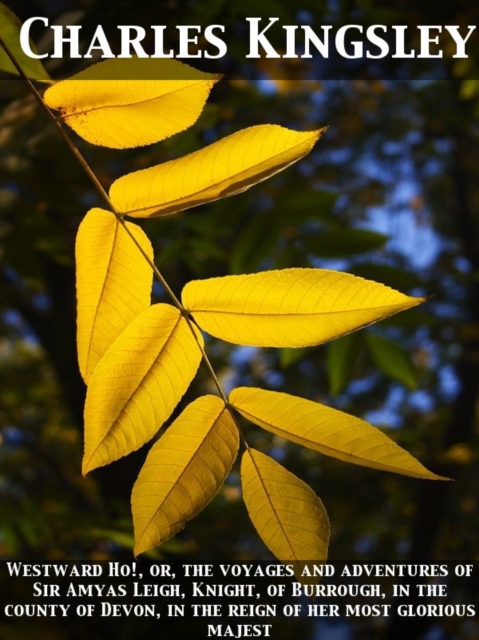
(287, 514)
(183, 471)
(331, 432)
(222, 169)
(290, 307)
(138, 383)
(127, 103)
(113, 283)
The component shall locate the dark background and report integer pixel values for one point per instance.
(391, 192)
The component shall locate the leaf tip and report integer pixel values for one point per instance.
(89, 464)
(86, 468)
(442, 478)
(316, 134)
(425, 474)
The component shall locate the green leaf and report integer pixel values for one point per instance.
(342, 355)
(392, 360)
(254, 243)
(390, 276)
(307, 205)
(469, 89)
(10, 27)
(343, 242)
(289, 356)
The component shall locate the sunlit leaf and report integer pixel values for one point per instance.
(138, 383)
(222, 169)
(287, 514)
(183, 471)
(392, 360)
(340, 361)
(329, 431)
(113, 283)
(289, 307)
(10, 27)
(131, 102)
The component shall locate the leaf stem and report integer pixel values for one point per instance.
(156, 271)
(89, 172)
(58, 123)
(217, 383)
(207, 361)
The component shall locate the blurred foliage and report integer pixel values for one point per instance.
(391, 193)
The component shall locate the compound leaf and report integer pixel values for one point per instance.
(183, 471)
(138, 383)
(113, 283)
(289, 307)
(132, 102)
(329, 431)
(221, 169)
(287, 514)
